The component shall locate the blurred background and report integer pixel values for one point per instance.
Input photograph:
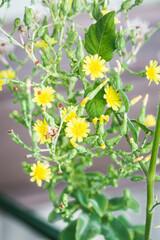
(12, 179)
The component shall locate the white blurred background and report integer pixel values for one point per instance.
(12, 179)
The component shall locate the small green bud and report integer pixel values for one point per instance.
(123, 127)
(12, 57)
(80, 50)
(91, 139)
(128, 88)
(59, 97)
(65, 199)
(65, 7)
(125, 5)
(40, 32)
(113, 156)
(72, 154)
(138, 2)
(28, 16)
(17, 21)
(137, 178)
(80, 148)
(117, 82)
(77, 5)
(127, 194)
(49, 119)
(96, 11)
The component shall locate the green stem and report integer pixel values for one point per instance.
(151, 177)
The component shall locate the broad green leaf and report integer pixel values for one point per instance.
(100, 38)
(123, 203)
(115, 230)
(99, 202)
(96, 106)
(82, 197)
(53, 216)
(69, 232)
(125, 100)
(133, 130)
(143, 127)
(88, 226)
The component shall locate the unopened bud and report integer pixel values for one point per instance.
(10, 131)
(60, 105)
(15, 88)
(36, 63)
(145, 100)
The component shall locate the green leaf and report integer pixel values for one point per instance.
(115, 230)
(82, 197)
(99, 202)
(125, 100)
(69, 232)
(123, 203)
(143, 127)
(96, 106)
(100, 38)
(88, 226)
(133, 130)
(53, 216)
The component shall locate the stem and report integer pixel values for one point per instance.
(151, 177)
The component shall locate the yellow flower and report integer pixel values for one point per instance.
(150, 121)
(113, 98)
(44, 97)
(1, 83)
(40, 171)
(77, 128)
(42, 44)
(116, 20)
(7, 74)
(71, 115)
(71, 1)
(103, 146)
(94, 66)
(41, 129)
(153, 72)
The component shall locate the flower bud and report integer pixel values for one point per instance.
(80, 50)
(76, 5)
(138, 2)
(17, 22)
(28, 16)
(65, 7)
(12, 57)
(123, 127)
(40, 32)
(128, 88)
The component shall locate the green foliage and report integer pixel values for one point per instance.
(100, 38)
(96, 106)
(100, 203)
(123, 203)
(88, 226)
(68, 154)
(115, 230)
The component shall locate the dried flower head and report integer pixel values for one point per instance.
(40, 10)
(51, 132)
(41, 129)
(140, 28)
